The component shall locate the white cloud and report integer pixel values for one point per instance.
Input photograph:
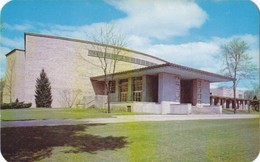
(149, 19)
(159, 19)
(3, 3)
(19, 27)
(3, 51)
(11, 42)
(201, 55)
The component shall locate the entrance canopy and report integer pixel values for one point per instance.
(185, 73)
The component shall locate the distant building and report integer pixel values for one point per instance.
(227, 92)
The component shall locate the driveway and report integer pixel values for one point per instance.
(123, 118)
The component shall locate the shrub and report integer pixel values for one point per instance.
(15, 105)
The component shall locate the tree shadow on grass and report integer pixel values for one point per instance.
(36, 143)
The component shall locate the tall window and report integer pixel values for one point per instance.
(123, 87)
(137, 89)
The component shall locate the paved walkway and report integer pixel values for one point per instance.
(122, 119)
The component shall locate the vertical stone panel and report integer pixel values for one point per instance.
(167, 87)
(150, 88)
(130, 89)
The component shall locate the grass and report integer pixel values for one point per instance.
(47, 113)
(231, 111)
(200, 140)
(66, 113)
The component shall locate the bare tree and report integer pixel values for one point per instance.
(237, 63)
(69, 96)
(9, 78)
(109, 53)
(2, 84)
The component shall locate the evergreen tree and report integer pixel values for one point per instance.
(43, 97)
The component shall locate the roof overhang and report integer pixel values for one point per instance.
(185, 73)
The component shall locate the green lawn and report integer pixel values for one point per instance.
(231, 111)
(47, 113)
(200, 140)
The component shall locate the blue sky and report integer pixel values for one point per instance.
(189, 33)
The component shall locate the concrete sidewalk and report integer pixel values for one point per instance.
(122, 119)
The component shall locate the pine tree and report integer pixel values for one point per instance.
(43, 97)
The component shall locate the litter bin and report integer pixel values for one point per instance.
(128, 108)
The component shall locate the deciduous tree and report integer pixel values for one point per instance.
(109, 52)
(9, 78)
(237, 63)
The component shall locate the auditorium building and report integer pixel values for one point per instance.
(141, 82)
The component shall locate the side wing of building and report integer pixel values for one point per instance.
(14, 76)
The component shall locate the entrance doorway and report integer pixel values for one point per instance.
(186, 91)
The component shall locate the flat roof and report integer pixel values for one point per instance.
(185, 73)
(90, 42)
(9, 53)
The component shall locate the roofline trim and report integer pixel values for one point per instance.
(90, 42)
(16, 49)
(165, 65)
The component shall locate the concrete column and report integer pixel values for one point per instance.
(144, 88)
(223, 103)
(117, 93)
(195, 92)
(130, 89)
(243, 104)
(213, 101)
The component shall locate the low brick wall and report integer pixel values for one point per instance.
(142, 107)
(180, 109)
(207, 110)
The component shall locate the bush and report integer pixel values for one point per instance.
(15, 105)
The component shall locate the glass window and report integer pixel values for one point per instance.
(137, 89)
(123, 87)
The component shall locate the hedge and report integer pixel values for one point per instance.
(15, 105)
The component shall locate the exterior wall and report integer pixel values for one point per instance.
(205, 92)
(65, 69)
(150, 88)
(201, 93)
(168, 88)
(17, 60)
